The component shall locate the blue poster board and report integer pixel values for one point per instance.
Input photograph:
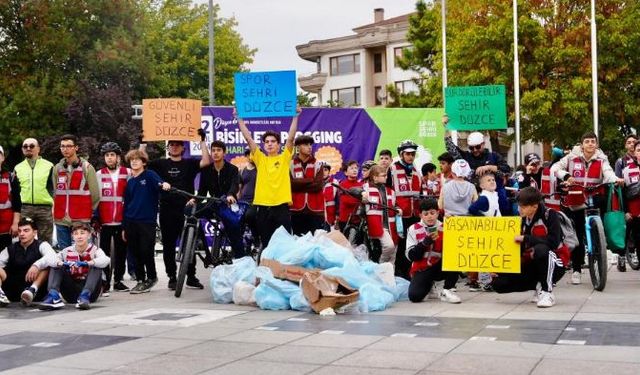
(265, 94)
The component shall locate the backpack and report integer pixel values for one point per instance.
(569, 236)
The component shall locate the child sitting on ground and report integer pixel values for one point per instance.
(424, 249)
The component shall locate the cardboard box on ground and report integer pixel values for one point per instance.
(320, 290)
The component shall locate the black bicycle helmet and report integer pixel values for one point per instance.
(407, 144)
(368, 164)
(110, 147)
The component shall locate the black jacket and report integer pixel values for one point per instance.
(554, 232)
(219, 184)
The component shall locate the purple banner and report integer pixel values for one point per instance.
(340, 134)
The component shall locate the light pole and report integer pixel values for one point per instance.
(211, 55)
(443, 6)
(516, 81)
(594, 66)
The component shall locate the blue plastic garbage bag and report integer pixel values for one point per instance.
(402, 289)
(225, 276)
(274, 294)
(299, 302)
(288, 249)
(375, 297)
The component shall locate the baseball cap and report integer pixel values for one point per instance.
(461, 168)
(531, 158)
(475, 139)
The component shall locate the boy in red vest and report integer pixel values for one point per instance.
(307, 206)
(76, 273)
(330, 193)
(381, 222)
(10, 204)
(112, 180)
(348, 205)
(544, 255)
(424, 249)
(430, 183)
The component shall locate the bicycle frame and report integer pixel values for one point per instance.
(589, 213)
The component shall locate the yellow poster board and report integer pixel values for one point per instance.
(481, 244)
(171, 119)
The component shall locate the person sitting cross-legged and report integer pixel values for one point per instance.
(76, 274)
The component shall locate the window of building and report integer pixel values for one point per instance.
(347, 97)
(377, 62)
(379, 95)
(318, 65)
(397, 54)
(406, 87)
(346, 64)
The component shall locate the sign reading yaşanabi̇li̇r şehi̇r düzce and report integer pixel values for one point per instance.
(474, 108)
(481, 244)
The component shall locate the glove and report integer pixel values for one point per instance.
(202, 134)
(426, 242)
(68, 264)
(81, 264)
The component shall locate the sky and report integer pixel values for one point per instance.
(275, 27)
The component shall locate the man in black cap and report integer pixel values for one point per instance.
(307, 206)
(533, 172)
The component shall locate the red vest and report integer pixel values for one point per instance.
(631, 174)
(72, 194)
(539, 229)
(111, 203)
(6, 212)
(300, 200)
(348, 204)
(433, 256)
(329, 192)
(433, 190)
(375, 220)
(548, 188)
(78, 273)
(405, 189)
(585, 174)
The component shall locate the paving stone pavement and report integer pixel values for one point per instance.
(587, 332)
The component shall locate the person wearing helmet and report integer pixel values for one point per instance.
(366, 167)
(307, 205)
(112, 178)
(404, 179)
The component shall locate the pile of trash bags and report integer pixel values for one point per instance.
(333, 269)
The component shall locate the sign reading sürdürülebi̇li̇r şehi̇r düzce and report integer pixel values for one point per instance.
(472, 108)
(481, 244)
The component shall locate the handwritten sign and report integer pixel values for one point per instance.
(481, 244)
(476, 107)
(171, 119)
(265, 94)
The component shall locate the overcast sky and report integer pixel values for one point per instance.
(275, 27)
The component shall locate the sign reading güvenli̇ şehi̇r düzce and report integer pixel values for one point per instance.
(171, 119)
(481, 244)
(265, 94)
(476, 107)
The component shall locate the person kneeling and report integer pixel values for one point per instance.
(543, 254)
(77, 272)
(424, 250)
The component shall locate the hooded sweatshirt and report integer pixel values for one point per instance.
(560, 169)
(457, 196)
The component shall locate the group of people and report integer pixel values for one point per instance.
(286, 186)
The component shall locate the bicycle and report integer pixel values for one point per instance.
(193, 240)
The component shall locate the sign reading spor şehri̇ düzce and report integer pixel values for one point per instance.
(171, 119)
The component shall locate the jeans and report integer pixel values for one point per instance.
(60, 280)
(63, 234)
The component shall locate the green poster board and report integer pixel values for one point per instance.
(422, 125)
(476, 107)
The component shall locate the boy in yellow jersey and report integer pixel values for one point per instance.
(273, 182)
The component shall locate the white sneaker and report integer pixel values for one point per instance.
(576, 278)
(536, 294)
(546, 299)
(434, 293)
(447, 295)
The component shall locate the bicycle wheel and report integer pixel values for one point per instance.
(216, 251)
(186, 249)
(351, 233)
(598, 255)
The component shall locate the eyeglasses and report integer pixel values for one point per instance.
(476, 147)
(67, 146)
(28, 146)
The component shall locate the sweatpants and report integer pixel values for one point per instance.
(422, 281)
(270, 218)
(171, 224)
(305, 222)
(119, 256)
(60, 279)
(141, 238)
(545, 268)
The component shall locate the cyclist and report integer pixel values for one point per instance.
(10, 204)
(113, 183)
(179, 173)
(273, 182)
(220, 180)
(307, 205)
(585, 165)
(404, 179)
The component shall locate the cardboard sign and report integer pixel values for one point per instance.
(476, 107)
(171, 119)
(266, 94)
(481, 244)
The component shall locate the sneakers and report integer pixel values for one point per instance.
(434, 293)
(27, 296)
(194, 283)
(622, 265)
(576, 278)
(105, 289)
(4, 301)
(139, 288)
(448, 296)
(546, 299)
(536, 293)
(474, 286)
(52, 301)
(151, 282)
(172, 283)
(84, 300)
(120, 287)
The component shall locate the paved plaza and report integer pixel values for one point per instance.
(587, 332)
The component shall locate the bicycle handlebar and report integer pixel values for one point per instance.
(358, 196)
